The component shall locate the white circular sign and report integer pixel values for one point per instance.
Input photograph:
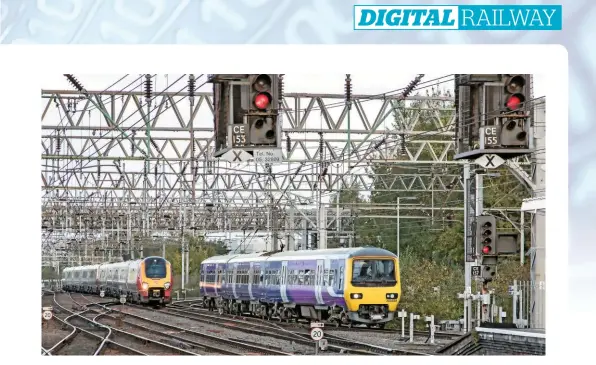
(316, 334)
(122, 300)
(47, 315)
(102, 294)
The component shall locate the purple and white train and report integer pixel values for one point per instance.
(343, 285)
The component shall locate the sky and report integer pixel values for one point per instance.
(374, 83)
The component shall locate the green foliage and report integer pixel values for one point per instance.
(48, 273)
(429, 287)
(199, 250)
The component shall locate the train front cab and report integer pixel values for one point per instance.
(373, 289)
(154, 281)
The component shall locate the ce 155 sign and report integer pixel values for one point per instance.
(491, 137)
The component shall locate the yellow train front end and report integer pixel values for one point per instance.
(154, 282)
(372, 290)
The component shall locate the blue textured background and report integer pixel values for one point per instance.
(326, 21)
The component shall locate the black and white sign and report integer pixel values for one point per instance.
(489, 161)
(238, 135)
(491, 137)
(475, 270)
(47, 315)
(102, 294)
(122, 300)
(270, 155)
(316, 334)
(236, 156)
(317, 325)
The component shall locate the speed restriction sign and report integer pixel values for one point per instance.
(102, 294)
(316, 334)
(47, 315)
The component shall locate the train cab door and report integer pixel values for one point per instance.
(234, 276)
(283, 282)
(319, 282)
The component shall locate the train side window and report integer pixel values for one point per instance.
(326, 277)
(332, 277)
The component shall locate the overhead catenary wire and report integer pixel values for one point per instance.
(428, 133)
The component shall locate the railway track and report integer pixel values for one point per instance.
(120, 341)
(334, 327)
(282, 331)
(80, 340)
(182, 336)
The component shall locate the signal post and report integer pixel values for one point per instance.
(492, 126)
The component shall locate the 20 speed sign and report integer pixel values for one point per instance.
(316, 334)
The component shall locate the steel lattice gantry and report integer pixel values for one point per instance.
(94, 177)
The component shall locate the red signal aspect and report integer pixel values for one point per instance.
(262, 101)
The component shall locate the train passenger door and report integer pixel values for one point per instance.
(283, 282)
(234, 275)
(250, 280)
(319, 282)
(216, 279)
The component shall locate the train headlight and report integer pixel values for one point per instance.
(145, 286)
(391, 295)
(166, 286)
(356, 296)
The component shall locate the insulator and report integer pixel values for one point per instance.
(98, 171)
(58, 143)
(288, 143)
(408, 89)
(348, 88)
(376, 147)
(132, 144)
(281, 87)
(191, 85)
(155, 171)
(321, 144)
(148, 88)
(403, 143)
(77, 85)
(154, 144)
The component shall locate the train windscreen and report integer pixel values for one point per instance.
(155, 268)
(373, 272)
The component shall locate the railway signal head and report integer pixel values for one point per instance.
(486, 226)
(262, 92)
(514, 92)
(263, 113)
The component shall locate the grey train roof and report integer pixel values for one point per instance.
(341, 252)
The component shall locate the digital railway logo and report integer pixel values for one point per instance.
(458, 17)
